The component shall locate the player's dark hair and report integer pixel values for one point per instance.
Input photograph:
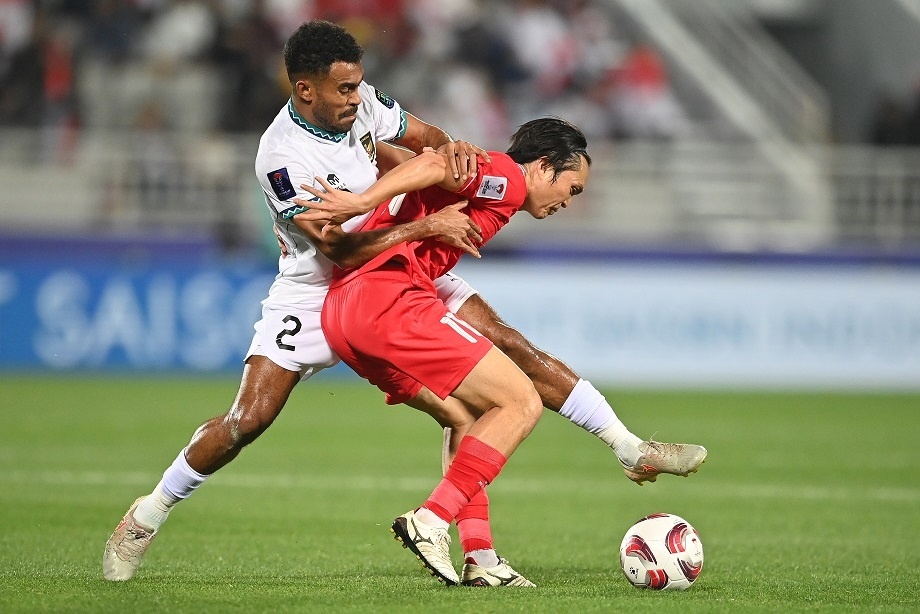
(318, 44)
(561, 143)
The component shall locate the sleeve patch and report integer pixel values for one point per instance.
(384, 99)
(281, 184)
(492, 187)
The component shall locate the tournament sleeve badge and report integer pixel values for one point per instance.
(384, 99)
(280, 181)
(492, 187)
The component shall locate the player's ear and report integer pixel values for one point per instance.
(305, 90)
(547, 168)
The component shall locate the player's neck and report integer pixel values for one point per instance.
(528, 176)
(305, 111)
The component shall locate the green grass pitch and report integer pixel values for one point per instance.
(808, 502)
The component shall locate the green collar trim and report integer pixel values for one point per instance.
(298, 119)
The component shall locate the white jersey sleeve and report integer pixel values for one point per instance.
(389, 118)
(281, 175)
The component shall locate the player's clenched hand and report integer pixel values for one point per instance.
(333, 207)
(462, 158)
(455, 228)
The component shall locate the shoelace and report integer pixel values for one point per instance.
(664, 449)
(510, 573)
(133, 547)
(441, 539)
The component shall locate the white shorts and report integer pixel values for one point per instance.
(453, 291)
(292, 337)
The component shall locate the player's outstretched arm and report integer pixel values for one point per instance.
(351, 250)
(461, 155)
(390, 156)
(336, 206)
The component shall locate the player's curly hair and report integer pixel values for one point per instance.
(561, 143)
(316, 45)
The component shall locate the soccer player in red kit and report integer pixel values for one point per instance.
(385, 321)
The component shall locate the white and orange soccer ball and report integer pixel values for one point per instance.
(662, 552)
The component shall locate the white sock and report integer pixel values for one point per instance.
(588, 408)
(178, 483)
(483, 558)
(426, 516)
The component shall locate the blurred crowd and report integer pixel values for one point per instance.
(476, 67)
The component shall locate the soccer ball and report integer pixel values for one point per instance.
(662, 552)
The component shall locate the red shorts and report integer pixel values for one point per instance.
(391, 328)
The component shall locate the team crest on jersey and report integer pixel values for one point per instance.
(384, 99)
(281, 184)
(492, 187)
(368, 142)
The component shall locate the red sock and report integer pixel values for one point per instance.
(473, 524)
(475, 465)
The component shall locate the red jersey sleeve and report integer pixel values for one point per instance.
(495, 194)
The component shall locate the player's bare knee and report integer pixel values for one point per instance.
(525, 400)
(532, 407)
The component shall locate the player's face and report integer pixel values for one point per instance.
(546, 196)
(335, 105)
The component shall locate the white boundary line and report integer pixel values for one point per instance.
(722, 490)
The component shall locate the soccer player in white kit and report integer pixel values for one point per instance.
(332, 128)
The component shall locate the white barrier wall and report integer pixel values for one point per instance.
(716, 325)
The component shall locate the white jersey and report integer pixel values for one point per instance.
(292, 152)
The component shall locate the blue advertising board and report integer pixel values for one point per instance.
(716, 324)
(142, 317)
(650, 322)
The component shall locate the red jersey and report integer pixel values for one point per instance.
(495, 194)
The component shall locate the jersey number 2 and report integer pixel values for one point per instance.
(288, 331)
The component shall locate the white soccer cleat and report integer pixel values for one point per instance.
(500, 575)
(430, 545)
(659, 457)
(125, 549)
